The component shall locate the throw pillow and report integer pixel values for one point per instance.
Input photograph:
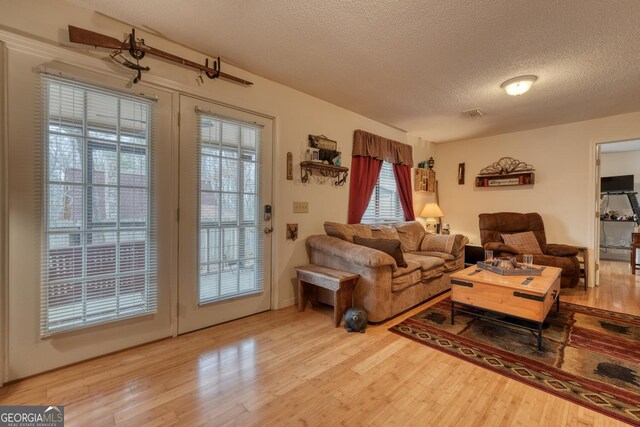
(438, 243)
(346, 231)
(526, 242)
(389, 246)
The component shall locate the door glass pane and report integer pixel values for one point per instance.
(229, 221)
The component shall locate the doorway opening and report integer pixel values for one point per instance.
(618, 184)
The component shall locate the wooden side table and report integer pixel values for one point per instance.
(635, 245)
(340, 282)
(583, 257)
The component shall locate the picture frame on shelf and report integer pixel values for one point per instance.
(322, 142)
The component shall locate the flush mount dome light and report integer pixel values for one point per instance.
(518, 85)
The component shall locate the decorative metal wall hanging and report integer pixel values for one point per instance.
(506, 165)
(507, 171)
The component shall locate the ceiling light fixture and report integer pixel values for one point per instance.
(518, 85)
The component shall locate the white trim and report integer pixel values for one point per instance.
(4, 293)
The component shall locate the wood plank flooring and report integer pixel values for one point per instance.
(290, 368)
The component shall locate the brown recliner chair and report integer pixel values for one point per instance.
(493, 225)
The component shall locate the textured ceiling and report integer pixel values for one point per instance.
(417, 64)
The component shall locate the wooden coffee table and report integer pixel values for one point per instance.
(507, 295)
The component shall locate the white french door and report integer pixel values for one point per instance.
(224, 234)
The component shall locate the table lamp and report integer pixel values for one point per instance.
(432, 212)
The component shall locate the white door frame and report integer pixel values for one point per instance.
(191, 314)
(595, 202)
(3, 217)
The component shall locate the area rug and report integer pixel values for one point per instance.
(589, 356)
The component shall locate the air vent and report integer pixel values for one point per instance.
(475, 113)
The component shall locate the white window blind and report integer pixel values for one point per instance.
(230, 222)
(384, 204)
(99, 257)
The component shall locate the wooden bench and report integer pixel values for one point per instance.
(340, 282)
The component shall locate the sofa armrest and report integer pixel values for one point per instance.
(559, 250)
(458, 246)
(350, 252)
(498, 247)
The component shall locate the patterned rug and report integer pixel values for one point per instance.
(589, 356)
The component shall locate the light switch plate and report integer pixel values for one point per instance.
(300, 207)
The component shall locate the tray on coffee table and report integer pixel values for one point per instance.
(511, 271)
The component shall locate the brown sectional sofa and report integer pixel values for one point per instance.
(384, 289)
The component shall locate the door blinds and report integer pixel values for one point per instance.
(230, 221)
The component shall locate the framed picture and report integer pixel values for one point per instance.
(322, 142)
(315, 155)
(460, 173)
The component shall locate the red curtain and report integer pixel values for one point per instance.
(403, 181)
(364, 175)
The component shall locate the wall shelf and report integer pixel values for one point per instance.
(508, 180)
(425, 180)
(339, 173)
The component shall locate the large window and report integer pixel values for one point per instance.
(99, 252)
(384, 204)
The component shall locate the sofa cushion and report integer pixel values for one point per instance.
(384, 232)
(430, 266)
(411, 235)
(402, 271)
(388, 246)
(406, 277)
(449, 262)
(346, 231)
(525, 242)
(426, 262)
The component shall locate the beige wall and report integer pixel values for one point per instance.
(564, 192)
(35, 32)
(613, 164)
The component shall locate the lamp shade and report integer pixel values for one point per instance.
(431, 210)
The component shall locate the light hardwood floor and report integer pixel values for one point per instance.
(290, 368)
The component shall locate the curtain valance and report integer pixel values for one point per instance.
(369, 145)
